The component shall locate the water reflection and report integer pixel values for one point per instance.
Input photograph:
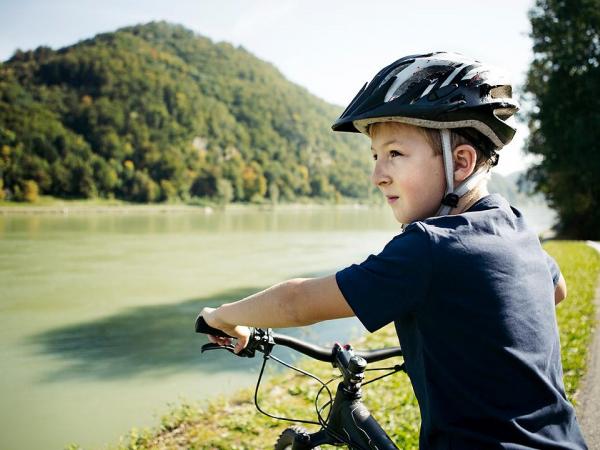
(156, 341)
(234, 220)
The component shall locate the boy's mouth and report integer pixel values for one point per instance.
(391, 198)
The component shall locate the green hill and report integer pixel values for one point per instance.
(155, 112)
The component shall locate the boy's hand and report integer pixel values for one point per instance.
(241, 333)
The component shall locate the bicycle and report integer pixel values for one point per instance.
(348, 422)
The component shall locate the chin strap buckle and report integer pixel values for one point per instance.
(450, 200)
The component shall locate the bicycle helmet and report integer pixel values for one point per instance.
(444, 91)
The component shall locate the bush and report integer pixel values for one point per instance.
(26, 191)
(144, 189)
(168, 191)
(224, 191)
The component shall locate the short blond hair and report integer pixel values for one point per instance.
(434, 139)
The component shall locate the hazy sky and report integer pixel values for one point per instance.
(329, 47)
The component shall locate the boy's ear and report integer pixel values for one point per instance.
(465, 158)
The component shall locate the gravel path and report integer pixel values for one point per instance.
(588, 411)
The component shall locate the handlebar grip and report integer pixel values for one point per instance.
(203, 327)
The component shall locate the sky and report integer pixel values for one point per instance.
(330, 47)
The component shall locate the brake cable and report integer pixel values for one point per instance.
(321, 422)
(267, 357)
(397, 368)
(266, 350)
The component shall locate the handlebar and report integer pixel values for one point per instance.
(203, 327)
(314, 351)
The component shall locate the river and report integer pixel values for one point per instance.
(97, 310)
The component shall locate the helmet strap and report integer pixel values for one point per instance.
(451, 196)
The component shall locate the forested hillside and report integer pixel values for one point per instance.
(155, 112)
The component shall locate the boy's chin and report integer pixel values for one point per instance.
(400, 217)
(404, 218)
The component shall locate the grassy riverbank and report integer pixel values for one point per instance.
(233, 423)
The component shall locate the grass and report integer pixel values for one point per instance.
(233, 423)
(580, 265)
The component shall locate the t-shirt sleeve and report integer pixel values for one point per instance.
(390, 284)
(553, 268)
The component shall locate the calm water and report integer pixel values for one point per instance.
(97, 311)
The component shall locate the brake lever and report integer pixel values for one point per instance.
(245, 353)
(211, 346)
(261, 340)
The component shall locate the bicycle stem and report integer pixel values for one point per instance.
(352, 368)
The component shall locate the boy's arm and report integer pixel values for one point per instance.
(560, 285)
(560, 292)
(302, 301)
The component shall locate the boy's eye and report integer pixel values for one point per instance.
(392, 153)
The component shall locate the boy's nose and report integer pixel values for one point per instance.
(379, 177)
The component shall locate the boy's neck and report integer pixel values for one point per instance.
(469, 199)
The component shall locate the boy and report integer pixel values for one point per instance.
(466, 283)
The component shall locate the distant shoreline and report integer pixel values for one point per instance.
(82, 208)
(67, 209)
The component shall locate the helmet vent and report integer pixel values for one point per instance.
(395, 72)
(460, 98)
(504, 91)
(504, 113)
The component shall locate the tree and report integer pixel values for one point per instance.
(273, 193)
(564, 85)
(255, 184)
(224, 191)
(143, 188)
(27, 191)
(168, 191)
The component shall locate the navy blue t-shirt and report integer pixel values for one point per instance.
(472, 298)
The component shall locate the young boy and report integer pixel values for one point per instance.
(467, 284)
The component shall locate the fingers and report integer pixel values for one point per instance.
(241, 342)
(241, 334)
(219, 340)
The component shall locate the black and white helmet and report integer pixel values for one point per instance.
(438, 90)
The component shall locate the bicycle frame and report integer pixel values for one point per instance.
(348, 417)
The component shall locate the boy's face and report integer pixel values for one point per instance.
(406, 170)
